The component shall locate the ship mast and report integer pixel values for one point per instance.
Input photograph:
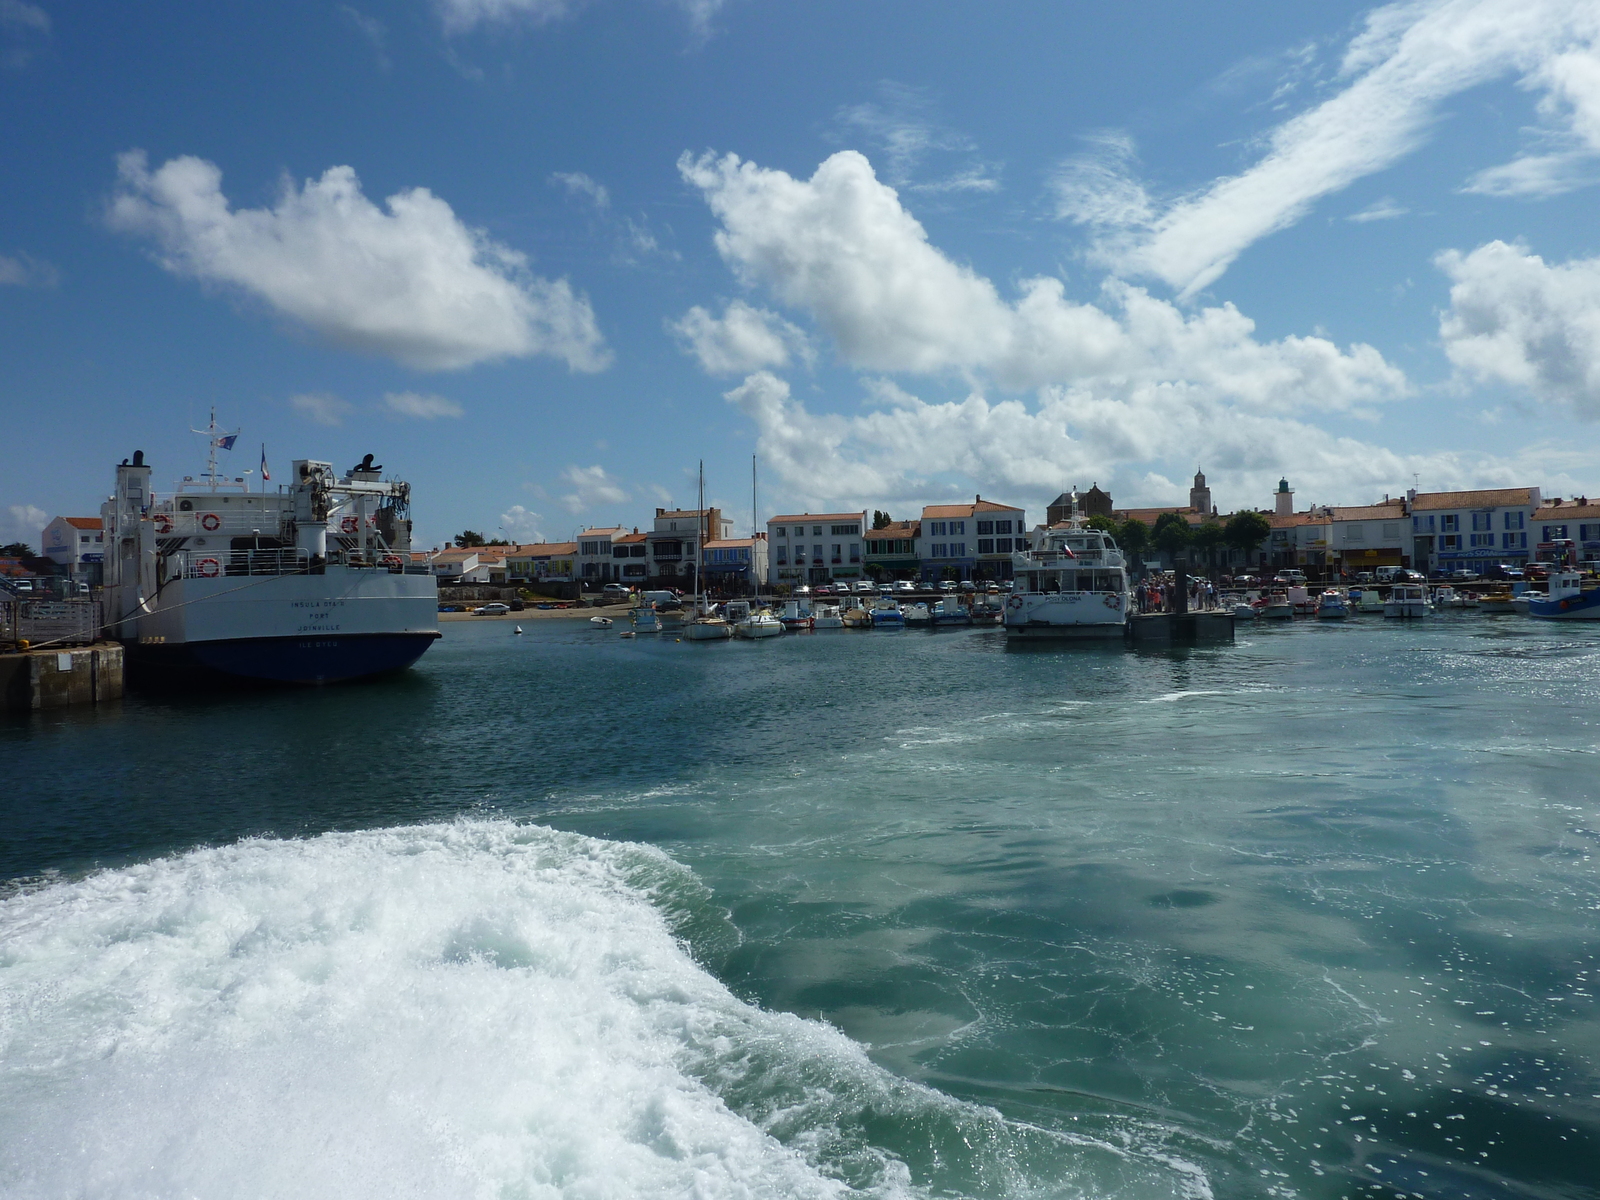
(215, 441)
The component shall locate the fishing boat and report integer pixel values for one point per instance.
(1305, 604)
(950, 611)
(917, 614)
(645, 618)
(828, 616)
(854, 615)
(797, 615)
(755, 624)
(1241, 608)
(1277, 607)
(1447, 598)
(886, 614)
(987, 614)
(1370, 600)
(1331, 606)
(1496, 602)
(1072, 584)
(1566, 600)
(1407, 600)
(312, 583)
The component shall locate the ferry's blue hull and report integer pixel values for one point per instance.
(304, 660)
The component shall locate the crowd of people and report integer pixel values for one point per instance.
(1155, 595)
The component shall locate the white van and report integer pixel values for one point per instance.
(1387, 574)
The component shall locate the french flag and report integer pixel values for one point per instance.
(265, 474)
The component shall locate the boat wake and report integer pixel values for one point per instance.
(474, 1009)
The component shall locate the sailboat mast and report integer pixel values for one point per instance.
(700, 538)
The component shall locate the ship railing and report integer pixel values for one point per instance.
(211, 564)
(224, 523)
(378, 559)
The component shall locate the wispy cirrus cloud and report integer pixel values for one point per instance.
(901, 124)
(423, 407)
(409, 281)
(591, 486)
(1395, 75)
(322, 407)
(23, 270)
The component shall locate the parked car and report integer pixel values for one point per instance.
(1008, 585)
(947, 585)
(1403, 575)
(1292, 576)
(615, 591)
(1462, 575)
(865, 587)
(492, 610)
(994, 589)
(905, 585)
(1363, 576)
(801, 589)
(1504, 571)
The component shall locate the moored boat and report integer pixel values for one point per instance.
(313, 583)
(949, 611)
(1566, 600)
(886, 614)
(1074, 584)
(1331, 606)
(1407, 600)
(1277, 607)
(916, 614)
(752, 624)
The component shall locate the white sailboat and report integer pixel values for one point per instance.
(705, 625)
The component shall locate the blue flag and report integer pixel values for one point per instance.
(227, 442)
(264, 472)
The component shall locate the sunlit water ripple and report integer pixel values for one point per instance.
(901, 913)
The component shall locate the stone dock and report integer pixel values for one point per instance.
(55, 677)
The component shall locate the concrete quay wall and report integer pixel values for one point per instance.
(56, 677)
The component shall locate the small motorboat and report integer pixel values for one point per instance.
(1566, 600)
(828, 616)
(886, 614)
(1407, 600)
(1367, 600)
(748, 624)
(600, 622)
(1331, 606)
(916, 614)
(1497, 602)
(645, 619)
(796, 615)
(1277, 607)
(950, 611)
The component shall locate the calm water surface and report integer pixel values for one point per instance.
(905, 913)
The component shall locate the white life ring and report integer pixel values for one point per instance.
(207, 568)
(1113, 600)
(349, 525)
(211, 522)
(1014, 602)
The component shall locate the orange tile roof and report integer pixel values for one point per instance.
(897, 530)
(933, 512)
(609, 529)
(728, 543)
(1487, 498)
(1389, 510)
(1293, 520)
(628, 538)
(84, 522)
(1570, 511)
(546, 549)
(793, 517)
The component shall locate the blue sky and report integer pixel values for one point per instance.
(542, 256)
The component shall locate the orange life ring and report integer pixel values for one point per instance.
(349, 525)
(207, 568)
(1014, 602)
(391, 560)
(163, 524)
(1113, 600)
(211, 522)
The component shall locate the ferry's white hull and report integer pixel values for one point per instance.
(344, 624)
(1066, 615)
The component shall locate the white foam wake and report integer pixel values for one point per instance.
(480, 1009)
(464, 1010)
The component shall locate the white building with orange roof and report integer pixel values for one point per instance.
(1576, 521)
(675, 541)
(76, 543)
(1472, 530)
(630, 558)
(814, 548)
(542, 562)
(736, 565)
(594, 554)
(971, 541)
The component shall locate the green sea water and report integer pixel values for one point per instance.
(1314, 915)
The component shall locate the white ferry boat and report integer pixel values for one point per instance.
(312, 583)
(1073, 584)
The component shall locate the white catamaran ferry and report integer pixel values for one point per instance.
(1072, 584)
(313, 583)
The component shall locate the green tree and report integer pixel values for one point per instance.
(16, 550)
(468, 538)
(1245, 531)
(881, 520)
(1133, 536)
(1103, 524)
(1208, 537)
(1171, 533)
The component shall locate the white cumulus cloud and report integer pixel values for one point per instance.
(414, 404)
(842, 247)
(1136, 441)
(1514, 318)
(322, 407)
(743, 339)
(591, 486)
(26, 271)
(23, 523)
(521, 525)
(1409, 59)
(409, 281)
(460, 16)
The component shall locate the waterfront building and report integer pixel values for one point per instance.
(1576, 520)
(594, 554)
(736, 565)
(1093, 503)
(676, 538)
(815, 547)
(1367, 537)
(1299, 539)
(893, 551)
(970, 541)
(76, 544)
(542, 562)
(630, 558)
(455, 565)
(1472, 530)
